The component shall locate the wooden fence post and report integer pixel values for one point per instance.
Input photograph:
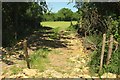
(110, 50)
(102, 53)
(26, 53)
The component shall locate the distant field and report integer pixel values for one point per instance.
(61, 24)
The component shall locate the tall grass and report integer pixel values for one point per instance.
(94, 64)
(39, 59)
(55, 35)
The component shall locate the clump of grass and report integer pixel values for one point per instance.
(94, 39)
(39, 59)
(72, 29)
(15, 70)
(55, 35)
(56, 30)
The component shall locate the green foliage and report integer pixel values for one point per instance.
(39, 58)
(94, 39)
(94, 63)
(116, 29)
(95, 55)
(40, 53)
(63, 14)
(55, 35)
(99, 18)
(20, 19)
(76, 16)
(49, 16)
(114, 66)
(71, 28)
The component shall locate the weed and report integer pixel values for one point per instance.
(39, 59)
(71, 29)
(55, 35)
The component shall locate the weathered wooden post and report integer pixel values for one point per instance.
(110, 49)
(26, 53)
(102, 53)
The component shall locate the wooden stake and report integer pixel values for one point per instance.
(110, 50)
(26, 53)
(102, 53)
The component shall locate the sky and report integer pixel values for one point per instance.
(55, 6)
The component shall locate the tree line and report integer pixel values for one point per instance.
(63, 14)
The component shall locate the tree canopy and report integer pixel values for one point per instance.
(63, 14)
(20, 18)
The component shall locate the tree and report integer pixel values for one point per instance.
(64, 14)
(76, 16)
(49, 16)
(98, 18)
(19, 19)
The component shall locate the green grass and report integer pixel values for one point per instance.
(63, 25)
(59, 26)
(39, 59)
(55, 35)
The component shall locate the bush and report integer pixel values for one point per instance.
(113, 67)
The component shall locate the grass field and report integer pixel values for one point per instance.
(61, 24)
